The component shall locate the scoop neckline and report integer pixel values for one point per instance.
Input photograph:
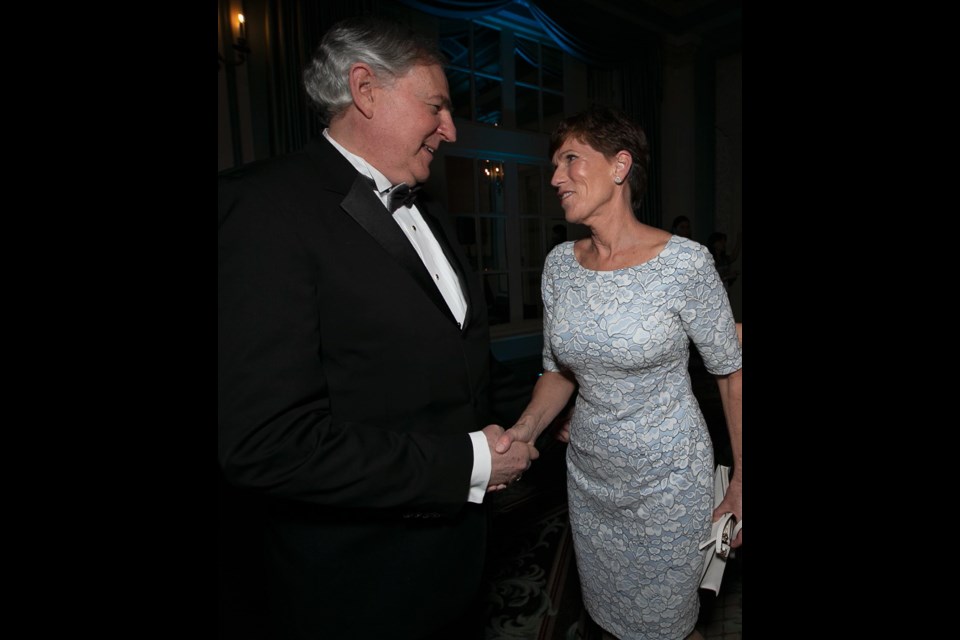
(573, 254)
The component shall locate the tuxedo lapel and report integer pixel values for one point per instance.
(368, 211)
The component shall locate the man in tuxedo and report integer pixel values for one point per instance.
(353, 356)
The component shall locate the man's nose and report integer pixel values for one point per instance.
(447, 130)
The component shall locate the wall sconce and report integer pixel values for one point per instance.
(493, 171)
(240, 46)
(493, 194)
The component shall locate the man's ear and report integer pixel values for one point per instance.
(362, 84)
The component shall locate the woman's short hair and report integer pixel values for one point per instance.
(609, 131)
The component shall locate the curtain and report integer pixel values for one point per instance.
(516, 11)
(294, 29)
(642, 97)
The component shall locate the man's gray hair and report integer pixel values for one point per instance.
(391, 49)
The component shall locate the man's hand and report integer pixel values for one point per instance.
(510, 463)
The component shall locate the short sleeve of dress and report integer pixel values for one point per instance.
(549, 308)
(707, 316)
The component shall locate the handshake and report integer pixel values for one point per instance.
(512, 451)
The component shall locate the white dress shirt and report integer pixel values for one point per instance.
(426, 246)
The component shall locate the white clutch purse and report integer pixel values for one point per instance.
(716, 550)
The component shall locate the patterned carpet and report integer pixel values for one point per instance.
(529, 557)
(521, 594)
(531, 590)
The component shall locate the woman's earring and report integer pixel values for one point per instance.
(618, 179)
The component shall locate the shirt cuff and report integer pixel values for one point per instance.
(482, 467)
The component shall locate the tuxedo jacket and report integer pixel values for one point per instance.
(346, 391)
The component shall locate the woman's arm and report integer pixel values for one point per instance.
(550, 396)
(731, 395)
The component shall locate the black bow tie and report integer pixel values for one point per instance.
(403, 196)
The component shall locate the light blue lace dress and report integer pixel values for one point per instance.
(640, 460)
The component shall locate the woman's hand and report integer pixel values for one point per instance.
(732, 503)
(522, 431)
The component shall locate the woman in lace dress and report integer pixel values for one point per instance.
(620, 309)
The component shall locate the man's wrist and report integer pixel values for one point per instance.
(482, 467)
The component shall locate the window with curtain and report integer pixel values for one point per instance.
(506, 214)
(476, 200)
(505, 239)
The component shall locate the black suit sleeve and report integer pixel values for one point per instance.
(277, 432)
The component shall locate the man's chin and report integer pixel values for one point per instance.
(422, 170)
(422, 174)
